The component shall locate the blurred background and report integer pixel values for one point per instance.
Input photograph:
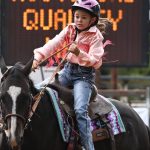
(125, 74)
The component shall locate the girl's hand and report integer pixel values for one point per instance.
(35, 64)
(73, 49)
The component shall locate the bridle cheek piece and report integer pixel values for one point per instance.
(3, 120)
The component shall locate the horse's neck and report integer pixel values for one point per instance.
(33, 90)
(63, 92)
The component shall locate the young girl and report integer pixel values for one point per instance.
(85, 56)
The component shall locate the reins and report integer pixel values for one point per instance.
(33, 69)
(37, 97)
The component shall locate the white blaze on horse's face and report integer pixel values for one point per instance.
(14, 92)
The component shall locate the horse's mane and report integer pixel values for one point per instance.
(33, 90)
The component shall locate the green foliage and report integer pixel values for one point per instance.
(134, 71)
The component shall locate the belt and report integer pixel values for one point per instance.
(76, 66)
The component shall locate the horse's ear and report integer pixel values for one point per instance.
(3, 65)
(28, 67)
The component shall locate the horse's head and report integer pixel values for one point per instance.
(15, 101)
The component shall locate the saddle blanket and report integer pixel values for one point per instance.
(116, 121)
(113, 117)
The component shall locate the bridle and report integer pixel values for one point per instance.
(13, 115)
(3, 119)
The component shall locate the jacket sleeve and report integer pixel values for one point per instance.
(51, 46)
(94, 56)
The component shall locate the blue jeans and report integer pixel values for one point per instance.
(81, 80)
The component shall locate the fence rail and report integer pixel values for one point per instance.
(122, 92)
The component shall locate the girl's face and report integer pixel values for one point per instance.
(83, 19)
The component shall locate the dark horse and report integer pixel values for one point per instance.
(41, 131)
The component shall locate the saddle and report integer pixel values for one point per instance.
(98, 108)
(98, 105)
